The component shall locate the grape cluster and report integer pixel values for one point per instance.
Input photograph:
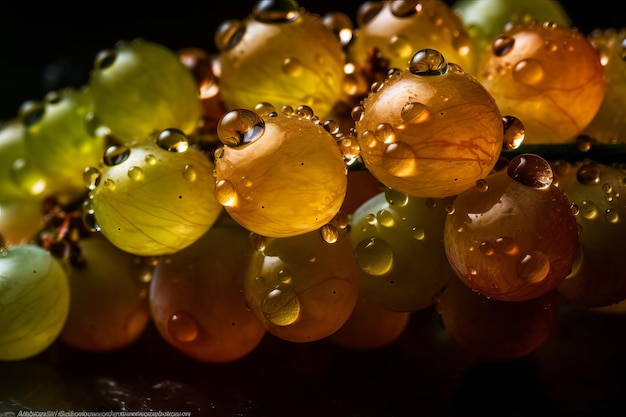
(320, 179)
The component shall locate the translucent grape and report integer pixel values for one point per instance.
(109, 305)
(139, 87)
(34, 300)
(153, 197)
(197, 297)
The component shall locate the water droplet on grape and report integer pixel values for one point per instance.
(533, 267)
(240, 127)
(506, 245)
(189, 173)
(396, 198)
(91, 177)
(428, 62)
(292, 67)
(105, 59)
(115, 155)
(329, 233)
(136, 173)
(399, 160)
(514, 132)
(183, 327)
(529, 72)
(385, 218)
(229, 34)
(374, 256)
(414, 113)
(276, 11)
(257, 242)
(172, 140)
(281, 305)
(502, 45)
(225, 193)
(588, 209)
(588, 174)
(531, 170)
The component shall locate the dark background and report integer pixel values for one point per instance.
(35, 38)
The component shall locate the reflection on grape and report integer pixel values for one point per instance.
(35, 300)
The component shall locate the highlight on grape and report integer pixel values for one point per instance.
(321, 178)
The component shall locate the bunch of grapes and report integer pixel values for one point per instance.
(316, 179)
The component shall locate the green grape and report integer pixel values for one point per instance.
(59, 142)
(21, 219)
(197, 297)
(142, 86)
(285, 57)
(34, 301)
(303, 288)
(398, 243)
(12, 148)
(485, 20)
(152, 197)
(109, 306)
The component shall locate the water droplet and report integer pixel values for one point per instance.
(385, 218)
(190, 173)
(183, 327)
(533, 267)
(281, 305)
(91, 177)
(374, 255)
(239, 127)
(506, 245)
(329, 233)
(136, 173)
(611, 216)
(357, 113)
(502, 45)
(414, 113)
(150, 159)
(115, 155)
(529, 72)
(368, 11)
(31, 112)
(399, 160)
(400, 46)
(403, 8)
(225, 193)
(229, 34)
(257, 242)
(105, 59)
(428, 62)
(514, 132)
(276, 11)
(588, 209)
(396, 198)
(482, 185)
(172, 140)
(418, 232)
(531, 170)
(588, 174)
(109, 184)
(292, 67)
(486, 248)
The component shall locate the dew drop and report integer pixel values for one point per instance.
(611, 216)
(31, 112)
(506, 245)
(172, 140)
(257, 242)
(482, 185)
(502, 45)
(514, 132)
(486, 248)
(105, 59)
(225, 193)
(374, 255)
(588, 174)
(428, 62)
(385, 133)
(115, 155)
(385, 218)
(136, 173)
(90, 222)
(292, 67)
(533, 267)
(91, 177)
(529, 72)
(414, 113)
(396, 198)
(150, 159)
(239, 127)
(183, 327)
(404, 8)
(190, 173)
(418, 233)
(368, 11)
(276, 11)
(329, 233)
(399, 160)
(281, 305)
(229, 34)
(531, 170)
(588, 209)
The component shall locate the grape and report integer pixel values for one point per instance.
(599, 278)
(140, 87)
(296, 59)
(399, 29)
(303, 288)
(398, 243)
(548, 76)
(608, 125)
(20, 220)
(496, 330)
(58, 141)
(197, 297)
(109, 305)
(430, 130)
(34, 301)
(513, 236)
(485, 20)
(370, 327)
(152, 197)
(12, 148)
(278, 173)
